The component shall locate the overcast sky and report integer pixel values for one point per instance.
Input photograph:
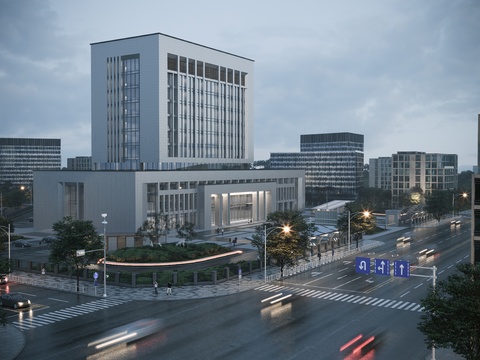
(406, 74)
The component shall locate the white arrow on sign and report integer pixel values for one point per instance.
(382, 267)
(362, 265)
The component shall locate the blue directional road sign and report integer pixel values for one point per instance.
(362, 265)
(382, 267)
(401, 268)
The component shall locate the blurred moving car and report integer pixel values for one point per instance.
(49, 239)
(21, 243)
(3, 279)
(363, 344)
(15, 300)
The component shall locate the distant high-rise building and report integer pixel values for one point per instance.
(19, 157)
(477, 168)
(380, 173)
(333, 163)
(79, 163)
(475, 232)
(425, 171)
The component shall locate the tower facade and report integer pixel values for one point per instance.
(162, 103)
(333, 162)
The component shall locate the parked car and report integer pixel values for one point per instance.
(3, 279)
(15, 300)
(21, 243)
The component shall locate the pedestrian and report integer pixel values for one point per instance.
(43, 271)
(230, 241)
(169, 288)
(222, 232)
(155, 287)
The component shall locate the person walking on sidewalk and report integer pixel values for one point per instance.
(155, 287)
(169, 288)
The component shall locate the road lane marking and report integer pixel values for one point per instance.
(316, 279)
(61, 300)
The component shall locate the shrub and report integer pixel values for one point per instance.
(166, 253)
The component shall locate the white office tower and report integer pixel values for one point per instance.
(162, 103)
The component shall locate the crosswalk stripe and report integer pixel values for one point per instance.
(403, 305)
(64, 314)
(352, 298)
(410, 306)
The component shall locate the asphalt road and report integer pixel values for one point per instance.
(328, 307)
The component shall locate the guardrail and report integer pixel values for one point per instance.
(50, 284)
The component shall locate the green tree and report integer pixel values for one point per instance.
(465, 181)
(286, 248)
(154, 228)
(361, 220)
(186, 231)
(375, 199)
(12, 195)
(438, 203)
(73, 235)
(451, 316)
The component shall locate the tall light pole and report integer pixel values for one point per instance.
(454, 196)
(4, 229)
(104, 222)
(285, 229)
(350, 217)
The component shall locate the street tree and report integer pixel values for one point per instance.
(73, 235)
(154, 228)
(438, 203)
(186, 231)
(12, 195)
(451, 315)
(286, 248)
(361, 220)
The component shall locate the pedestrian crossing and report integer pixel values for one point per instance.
(345, 297)
(27, 323)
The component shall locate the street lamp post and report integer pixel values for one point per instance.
(104, 222)
(285, 229)
(4, 228)
(350, 217)
(454, 196)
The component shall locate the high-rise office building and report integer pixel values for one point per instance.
(19, 157)
(425, 171)
(333, 162)
(162, 103)
(380, 173)
(79, 163)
